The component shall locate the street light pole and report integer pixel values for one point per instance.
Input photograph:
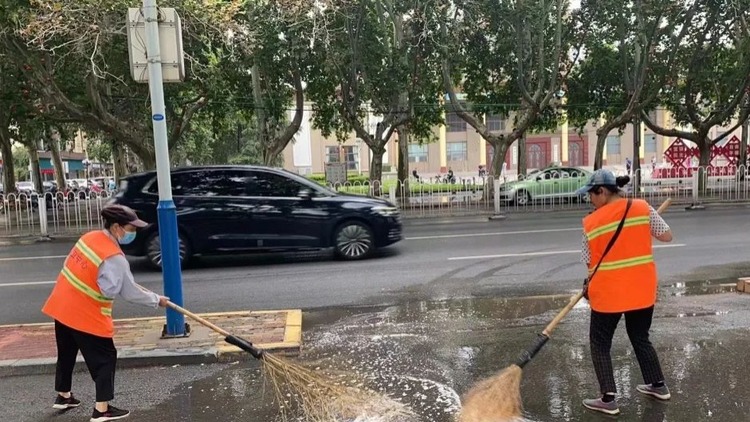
(167, 213)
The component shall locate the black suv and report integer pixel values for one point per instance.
(228, 209)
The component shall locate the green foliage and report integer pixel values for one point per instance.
(21, 163)
(376, 56)
(504, 57)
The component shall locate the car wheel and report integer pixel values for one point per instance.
(353, 240)
(523, 198)
(153, 251)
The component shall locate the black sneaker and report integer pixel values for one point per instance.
(62, 403)
(112, 414)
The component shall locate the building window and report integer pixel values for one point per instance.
(652, 116)
(333, 154)
(456, 151)
(613, 145)
(495, 123)
(417, 153)
(455, 123)
(650, 145)
(351, 154)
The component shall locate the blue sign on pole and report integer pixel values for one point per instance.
(158, 117)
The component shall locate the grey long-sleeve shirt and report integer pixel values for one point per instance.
(115, 278)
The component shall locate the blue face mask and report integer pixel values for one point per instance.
(129, 237)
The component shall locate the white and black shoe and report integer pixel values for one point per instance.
(112, 414)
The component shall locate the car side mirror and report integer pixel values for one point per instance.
(305, 194)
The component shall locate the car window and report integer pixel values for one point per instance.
(208, 182)
(274, 185)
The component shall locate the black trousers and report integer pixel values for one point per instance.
(100, 356)
(601, 332)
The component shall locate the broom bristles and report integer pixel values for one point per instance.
(319, 398)
(494, 399)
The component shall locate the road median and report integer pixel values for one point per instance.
(28, 349)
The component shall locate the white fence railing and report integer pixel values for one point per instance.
(514, 194)
(75, 213)
(33, 214)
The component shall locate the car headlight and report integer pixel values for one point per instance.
(386, 211)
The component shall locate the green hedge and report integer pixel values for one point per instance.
(414, 188)
(354, 178)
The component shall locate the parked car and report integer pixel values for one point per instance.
(230, 209)
(548, 183)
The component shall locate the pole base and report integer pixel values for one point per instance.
(165, 336)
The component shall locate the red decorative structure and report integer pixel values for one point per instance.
(683, 159)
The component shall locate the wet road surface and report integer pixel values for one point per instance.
(425, 353)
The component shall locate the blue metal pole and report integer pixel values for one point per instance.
(167, 213)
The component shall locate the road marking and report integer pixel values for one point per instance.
(29, 258)
(455, 236)
(27, 283)
(545, 253)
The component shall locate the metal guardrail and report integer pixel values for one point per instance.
(481, 195)
(75, 213)
(50, 214)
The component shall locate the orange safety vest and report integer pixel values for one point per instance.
(76, 300)
(626, 279)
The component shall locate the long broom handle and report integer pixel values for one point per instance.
(189, 314)
(199, 319)
(228, 337)
(527, 355)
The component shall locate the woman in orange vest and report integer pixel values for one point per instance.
(94, 273)
(622, 281)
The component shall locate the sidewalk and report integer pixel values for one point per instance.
(30, 348)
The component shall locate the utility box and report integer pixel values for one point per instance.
(170, 44)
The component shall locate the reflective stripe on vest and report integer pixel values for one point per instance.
(90, 254)
(611, 227)
(83, 288)
(624, 263)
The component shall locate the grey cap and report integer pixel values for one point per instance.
(601, 177)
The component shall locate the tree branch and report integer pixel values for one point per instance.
(663, 131)
(183, 122)
(293, 128)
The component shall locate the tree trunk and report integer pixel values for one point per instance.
(53, 140)
(704, 146)
(403, 164)
(601, 139)
(522, 156)
(742, 165)
(36, 171)
(636, 155)
(259, 107)
(376, 169)
(500, 148)
(119, 161)
(9, 171)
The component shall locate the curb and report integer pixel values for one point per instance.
(134, 358)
